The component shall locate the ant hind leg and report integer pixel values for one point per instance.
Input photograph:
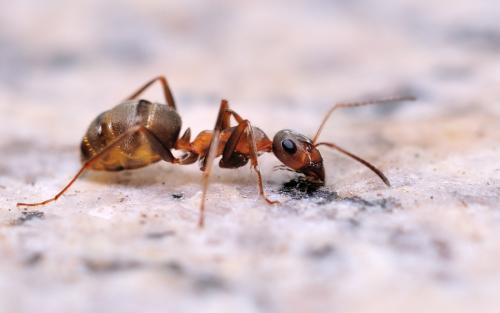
(157, 146)
(165, 87)
(229, 155)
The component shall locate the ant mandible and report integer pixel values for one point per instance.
(136, 133)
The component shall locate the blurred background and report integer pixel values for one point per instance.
(59, 58)
(431, 246)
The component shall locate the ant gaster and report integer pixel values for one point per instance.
(137, 133)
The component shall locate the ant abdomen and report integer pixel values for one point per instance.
(137, 150)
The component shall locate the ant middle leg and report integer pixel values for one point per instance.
(232, 159)
(166, 91)
(156, 145)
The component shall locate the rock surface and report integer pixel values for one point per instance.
(128, 242)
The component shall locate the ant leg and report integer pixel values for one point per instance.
(166, 91)
(167, 156)
(222, 120)
(357, 104)
(366, 163)
(226, 116)
(158, 147)
(229, 155)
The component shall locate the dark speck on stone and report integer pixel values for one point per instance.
(27, 216)
(443, 249)
(387, 204)
(178, 195)
(174, 267)
(353, 223)
(102, 267)
(33, 259)
(63, 60)
(320, 252)
(209, 282)
(160, 234)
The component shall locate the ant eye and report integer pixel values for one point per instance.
(289, 146)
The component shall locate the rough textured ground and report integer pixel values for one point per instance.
(128, 242)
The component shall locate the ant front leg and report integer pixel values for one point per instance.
(232, 159)
(166, 91)
(222, 120)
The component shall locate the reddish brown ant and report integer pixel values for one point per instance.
(137, 133)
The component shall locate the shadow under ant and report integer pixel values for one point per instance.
(144, 177)
(300, 188)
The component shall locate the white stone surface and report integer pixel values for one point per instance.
(123, 243)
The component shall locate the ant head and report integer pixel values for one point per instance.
(299, 153)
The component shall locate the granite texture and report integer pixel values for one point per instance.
(128, 242)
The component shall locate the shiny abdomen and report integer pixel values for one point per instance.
(135, 151)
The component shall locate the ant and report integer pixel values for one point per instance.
(137, 132)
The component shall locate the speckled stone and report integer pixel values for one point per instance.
(128, 242)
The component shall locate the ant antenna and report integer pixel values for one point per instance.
(360, 160)
(358, 104)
